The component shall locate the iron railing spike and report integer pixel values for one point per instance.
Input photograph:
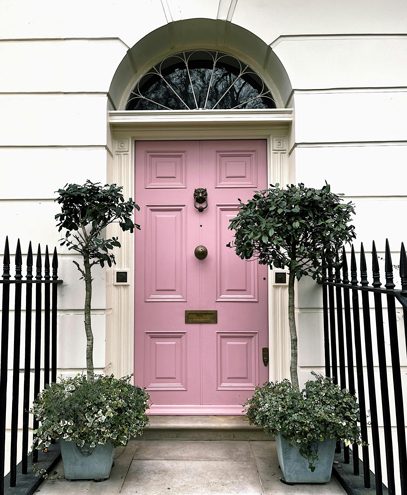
(6, 255)
(375, 267)
(55, 259)
(38, 263)
(18, 258)
(353, 266)
(363, 266)
(403, 267)
(388, 264)
(345, 269)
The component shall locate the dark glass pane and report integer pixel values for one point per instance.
(200, 80)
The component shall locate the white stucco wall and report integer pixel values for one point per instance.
(347, 65)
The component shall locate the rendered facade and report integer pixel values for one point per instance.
(338, 76)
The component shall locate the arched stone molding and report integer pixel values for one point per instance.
(199, 34)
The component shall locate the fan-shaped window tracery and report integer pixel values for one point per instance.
(200, 80)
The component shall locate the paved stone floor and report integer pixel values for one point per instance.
(180, 467)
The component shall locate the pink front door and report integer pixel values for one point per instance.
(200, 367)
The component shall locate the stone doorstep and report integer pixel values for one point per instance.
(202, 428)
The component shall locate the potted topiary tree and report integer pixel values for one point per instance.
(91, 414)
(293, 228)
(306, 424)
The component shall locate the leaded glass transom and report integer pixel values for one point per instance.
(200, 80)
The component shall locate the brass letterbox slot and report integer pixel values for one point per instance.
(201, 316)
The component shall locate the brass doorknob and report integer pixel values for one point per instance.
(201, 252)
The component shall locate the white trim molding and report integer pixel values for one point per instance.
(128, 127)
(152, 118)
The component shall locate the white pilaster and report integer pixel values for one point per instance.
(120, 313)
(279, 336)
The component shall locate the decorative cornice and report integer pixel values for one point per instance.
(122, 119)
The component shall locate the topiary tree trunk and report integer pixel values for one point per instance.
(88, 317)
(293, 330)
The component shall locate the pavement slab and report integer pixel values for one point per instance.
(185, 467)
(193, 450)
(193, 477)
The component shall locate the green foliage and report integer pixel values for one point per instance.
(89, 413)
(321, 411)
(293, 227)
(86, 210)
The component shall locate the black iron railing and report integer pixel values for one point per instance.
(360, 321)
(33, 298)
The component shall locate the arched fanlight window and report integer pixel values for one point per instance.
(200, 80)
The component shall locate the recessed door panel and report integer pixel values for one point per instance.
(166, 368)
(165, 170)
(199, 364)
(237, 360)
(165, 277)
(236, 281)
(236, 169)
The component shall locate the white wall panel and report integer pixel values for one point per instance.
(72, 341)
(58, 66)
(325, 62)
(350, 116)
(72, 291)
(310, 339)
(185, 9)
(380, 218)
(131, 20)
(309, 293)
(126, 19)
(43, 120)
(354, 170)
(269, 19)
(44, 170)
(29, 221)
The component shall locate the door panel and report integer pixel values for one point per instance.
(206, 367)
(166, 368)
(165, 257)
(236, 281)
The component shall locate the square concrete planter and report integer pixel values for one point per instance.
(294, 466)
(80, 464)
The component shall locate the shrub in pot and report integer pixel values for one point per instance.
(90, 418)
(307, 425)
(90, 414)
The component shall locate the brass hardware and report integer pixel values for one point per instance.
(265, 354)
(201, 316)
(201, 252)
(201, 199)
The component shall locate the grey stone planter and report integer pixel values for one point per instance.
(80, 464)
(295, 468)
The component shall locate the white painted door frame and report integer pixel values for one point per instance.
(125, 128)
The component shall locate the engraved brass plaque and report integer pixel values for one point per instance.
(201, 316)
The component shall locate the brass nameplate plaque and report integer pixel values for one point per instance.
(201, 316)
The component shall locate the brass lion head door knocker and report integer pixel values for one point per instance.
(200, 199)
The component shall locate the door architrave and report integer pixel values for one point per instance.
(127, 127)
